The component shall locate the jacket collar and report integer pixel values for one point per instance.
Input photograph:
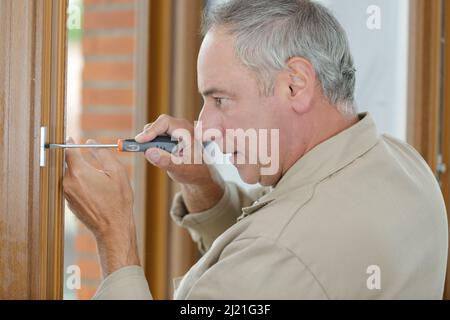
(324, 160)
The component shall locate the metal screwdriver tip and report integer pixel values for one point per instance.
(79, 146)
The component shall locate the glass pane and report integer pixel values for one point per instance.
(100, 106)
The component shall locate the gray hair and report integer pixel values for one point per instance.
(270, 32)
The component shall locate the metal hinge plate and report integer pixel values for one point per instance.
(42, 149)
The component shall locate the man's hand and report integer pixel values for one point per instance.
(103, 200)
(201, 185)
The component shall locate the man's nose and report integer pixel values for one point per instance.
(210, 123)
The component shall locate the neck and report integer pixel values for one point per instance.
(319, 125)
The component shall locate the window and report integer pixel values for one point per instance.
(102, 104)
(121, 76)
(128, 61)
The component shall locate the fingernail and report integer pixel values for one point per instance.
(140, 137)
(154, 156)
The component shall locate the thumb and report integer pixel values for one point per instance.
(159, 158)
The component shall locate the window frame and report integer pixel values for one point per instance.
(172, 89)
(445, 147)
(429, 101)
(32, 94)
(157, 198)
(424, 78)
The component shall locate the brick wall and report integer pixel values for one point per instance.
(108, 45)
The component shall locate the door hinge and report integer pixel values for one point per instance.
(42, 149)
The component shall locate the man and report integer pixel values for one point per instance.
(348, 214)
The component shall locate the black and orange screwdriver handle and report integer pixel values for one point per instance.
(162, 142)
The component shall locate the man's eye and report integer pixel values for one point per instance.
(218, 102)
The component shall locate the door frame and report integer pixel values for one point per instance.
(172, 89)
(157, 198)
(32, 94)
(424, 78)
(53, 99)
(445, 125)
(429, 97)
(186, 104)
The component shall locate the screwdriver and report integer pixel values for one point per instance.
(125, 145)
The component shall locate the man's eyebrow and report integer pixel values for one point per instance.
(212, 91)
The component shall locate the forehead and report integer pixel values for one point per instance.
(217, 64)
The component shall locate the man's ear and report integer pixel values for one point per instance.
(302, 79)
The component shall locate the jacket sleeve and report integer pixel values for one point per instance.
(128, 283)
(257, 269)
(204, 227)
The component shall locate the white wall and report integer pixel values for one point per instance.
(381, 59)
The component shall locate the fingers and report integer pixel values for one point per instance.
(147, 126)
(106, 158)
(159, 158)
(159, 127)
(164, 125)
(140, 138)
(74, 159)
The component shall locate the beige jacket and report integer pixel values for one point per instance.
(361, 216)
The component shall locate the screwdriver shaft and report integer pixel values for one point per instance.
(82, 146)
